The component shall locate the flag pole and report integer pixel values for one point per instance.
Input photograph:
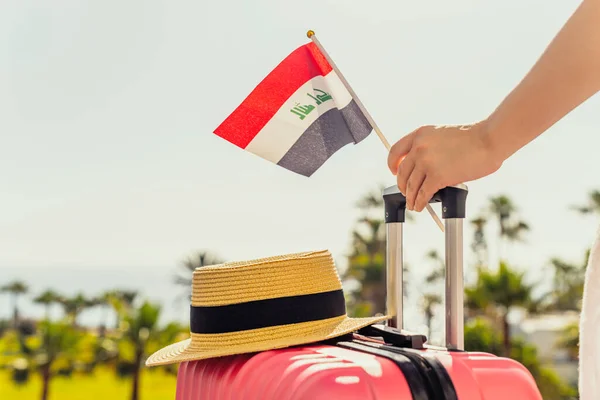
(311, 35)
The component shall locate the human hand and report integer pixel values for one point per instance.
(433, 157)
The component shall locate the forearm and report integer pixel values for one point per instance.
(566, 75)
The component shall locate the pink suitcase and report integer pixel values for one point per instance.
(378, 362)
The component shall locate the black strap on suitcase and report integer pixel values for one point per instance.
(426, 376)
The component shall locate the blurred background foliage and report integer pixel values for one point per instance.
(58, 359)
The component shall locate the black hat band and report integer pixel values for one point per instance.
(267, 313)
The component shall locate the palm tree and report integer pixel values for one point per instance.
(372, 199)
(567, 285)
(430, 300)
(502, 207)
(593, 204)
(141, 330)
(369, 271)
(57, 341)
(504, 210)
(479, 245)
(15, 289)
(428, 304)
(47, 299)
(439, 271)
(569, 340)
(73, 306)
(104, 301)
(126, 298)
(481, 335)
(500, 291)
(122, 301)
(372, 241)
(366, 262)
(198, 260)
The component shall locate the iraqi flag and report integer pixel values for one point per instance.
(298, 116)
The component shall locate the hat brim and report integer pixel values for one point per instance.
(195, 348)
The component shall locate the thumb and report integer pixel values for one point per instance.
(398, 151)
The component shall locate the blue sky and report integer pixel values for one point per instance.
(109, 162)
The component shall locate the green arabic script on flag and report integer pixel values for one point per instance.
(303, 111)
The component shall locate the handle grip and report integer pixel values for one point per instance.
(453, 199)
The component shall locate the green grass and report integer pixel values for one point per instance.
(101, 385)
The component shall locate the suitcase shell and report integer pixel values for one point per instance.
(330, 371)
(323, 372)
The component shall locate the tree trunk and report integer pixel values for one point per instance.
(506, 329)
(429, 321)
(117, 320)
(103, 322)
(136, 375)
(15, 311)
(45, 381)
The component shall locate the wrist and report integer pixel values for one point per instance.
(494, 142)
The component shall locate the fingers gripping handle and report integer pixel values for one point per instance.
(453, 201)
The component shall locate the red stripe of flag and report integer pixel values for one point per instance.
(262, 103)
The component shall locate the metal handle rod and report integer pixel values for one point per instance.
(394, 270)
(454, 284)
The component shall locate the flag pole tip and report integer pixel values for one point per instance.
(310, 33)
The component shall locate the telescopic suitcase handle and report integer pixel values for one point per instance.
(453, 199)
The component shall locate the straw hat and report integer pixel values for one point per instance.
(263, 304)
